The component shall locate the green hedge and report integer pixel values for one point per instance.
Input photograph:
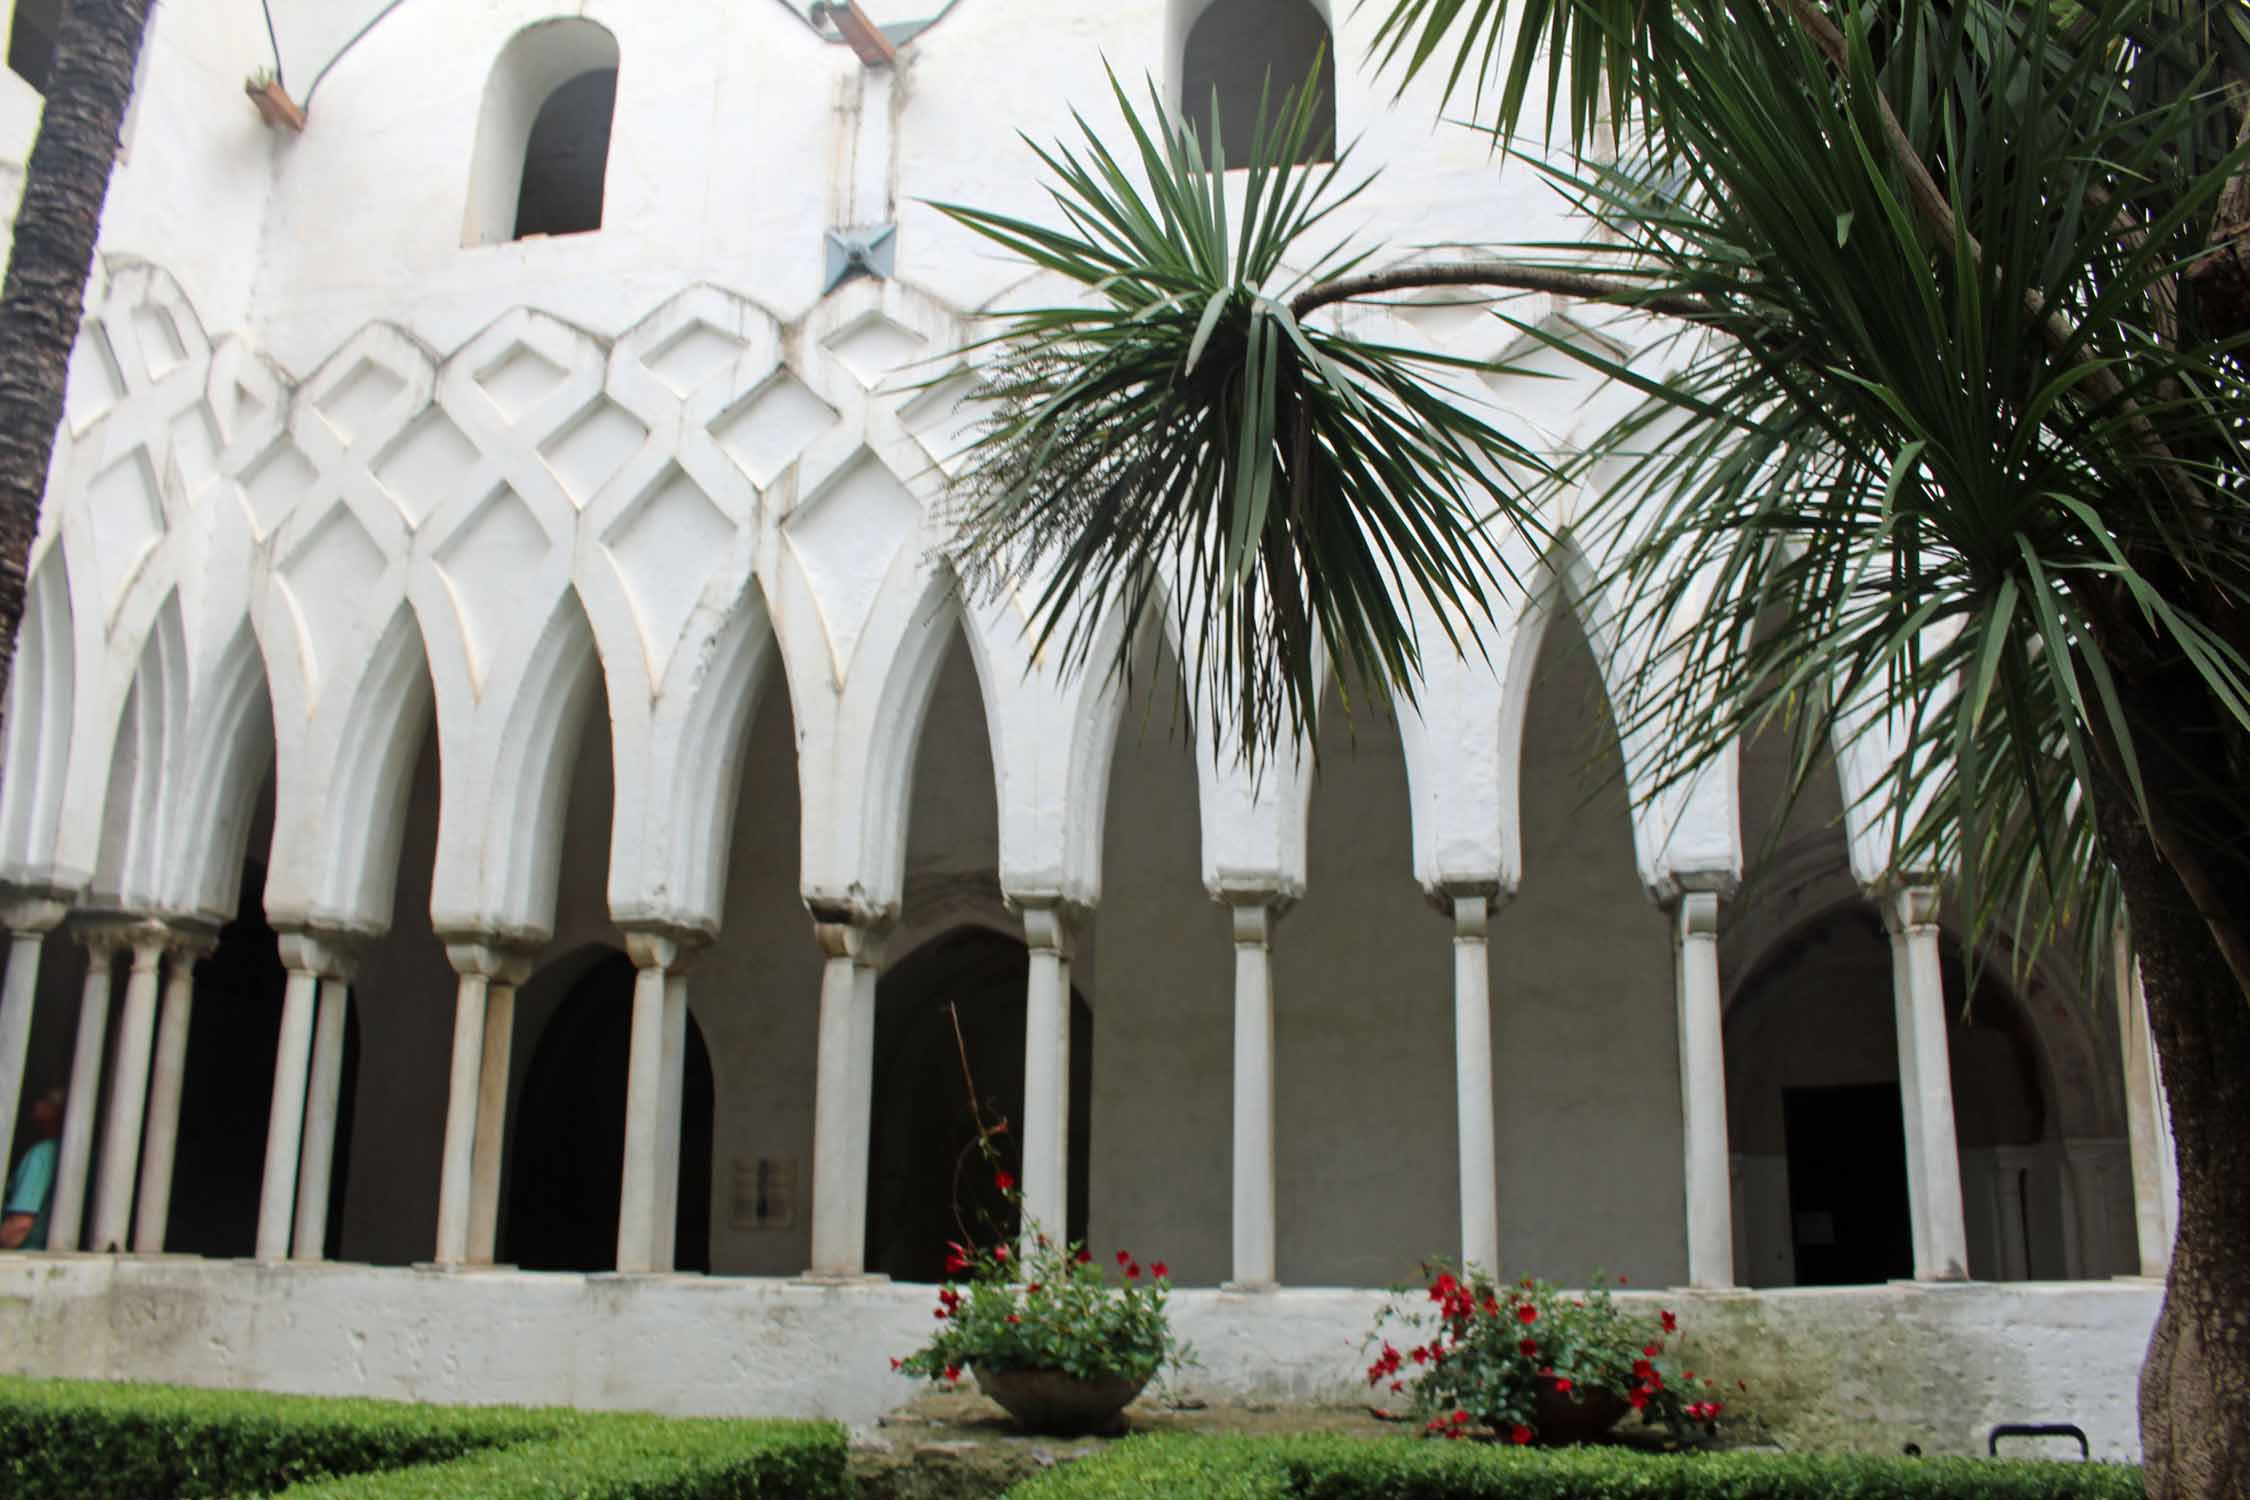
(70, 1440)
(1362, 1469)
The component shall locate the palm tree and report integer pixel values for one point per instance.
(1956, 384)
(65, 183)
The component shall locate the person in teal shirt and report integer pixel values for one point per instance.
(31, 1191)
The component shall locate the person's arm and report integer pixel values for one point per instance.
(15, 1229)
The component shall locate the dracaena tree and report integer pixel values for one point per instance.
(1945, 367)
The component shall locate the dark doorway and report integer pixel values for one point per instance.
(566, 162)
(566, 1165)
(31, 41)
(1848, 1209)
(227, 1093)
(951, 1011)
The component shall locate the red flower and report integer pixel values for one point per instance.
(1012, 1318)
(1525, 1283)
(1740, 1386)
(1527, 1314)
(1397, 1386)
(896, 1361)
(1621, 1281)
(953, 1372)
(956, 1259)
(1671, 1324)
(1637, 1400)
(1005, 1181)
(1123, 1258)
(1519, 1434)
(1420, 1354)
(1085, 1256)
(1000, 1254)
(1033, 1288)
(1460, 1418)
(1563, 1385)
(938, 1313)
(1530, 1348)
(1653, 1350)
(1133, 1271)
(1643, 1368)
(1159, 1269)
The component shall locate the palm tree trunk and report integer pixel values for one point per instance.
(56, 227)
(2195, 1385)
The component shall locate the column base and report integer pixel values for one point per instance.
(1939, 1283)
(1250, 1288)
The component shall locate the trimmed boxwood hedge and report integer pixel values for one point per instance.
(72, 1440)
(1363, 1469)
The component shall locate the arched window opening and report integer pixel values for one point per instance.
(542, 150)
(31, 40)
(1244, 50)
(567, 159)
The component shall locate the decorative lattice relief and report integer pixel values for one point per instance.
(770, 431)
(692, 356)
(665, 549)
(326, 579)
(362, 402)
(519, 380)
(876, 350)
(588, 452)
(427, 466)
(127, 512)
(487, 565)
(845, 540)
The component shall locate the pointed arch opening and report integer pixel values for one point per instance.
(949, 1054)
(565, 1162)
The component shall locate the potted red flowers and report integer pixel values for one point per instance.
(1047, 1334)
(1530, 1363)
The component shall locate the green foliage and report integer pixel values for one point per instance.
(71, 1440)
(1358, 1469)
(1178, 431)
(1053, 1309)
(1495, 1354)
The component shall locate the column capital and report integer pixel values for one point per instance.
(1253, 919)
(106, 932)
(860, 941)
(660, 945)
(488, 958)
(1698, 913)
(1050, 923)
(1676, 885)
(32, 912)
(324, 952)
(189, 940)
(1907, 908)
(1446, 893)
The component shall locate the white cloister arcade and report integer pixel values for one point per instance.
(367, 630)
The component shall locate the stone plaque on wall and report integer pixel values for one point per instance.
(765, 1193)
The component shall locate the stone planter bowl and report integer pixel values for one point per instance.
(1060, 1405)
(1560, 1419)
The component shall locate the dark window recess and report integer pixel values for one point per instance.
(1235, 48)
(1848, 1212)
(567, 159)
(31, 41)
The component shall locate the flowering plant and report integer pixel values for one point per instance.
(1047, 1307)
(1512, 1360)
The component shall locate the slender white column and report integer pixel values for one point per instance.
(1703, 1094)
(285, 1121)
(843, 1103)
(492, 1121)
(652, 1091)
(476, 964)
(1254, 915)
(75, 1154)
(1472, 1079)
(2153, 1209)
(668, 1127)
(1933, 1157)
(128, 1095)
(168, 1079)
(316, 1167)
(1046, 1072)
(28, 922)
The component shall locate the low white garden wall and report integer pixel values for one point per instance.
(1864, 1367)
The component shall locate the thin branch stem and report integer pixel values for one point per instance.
(1504, 275)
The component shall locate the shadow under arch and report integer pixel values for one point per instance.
(950, 1011)
(227, 1088)
(565, 1159)
(1814, 1110)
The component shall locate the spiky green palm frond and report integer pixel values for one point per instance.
(1178, 438)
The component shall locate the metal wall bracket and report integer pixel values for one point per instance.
(859, 250)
